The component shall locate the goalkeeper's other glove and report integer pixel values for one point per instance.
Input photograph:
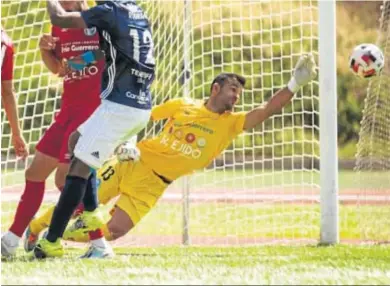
(304, 72)
(127, 151)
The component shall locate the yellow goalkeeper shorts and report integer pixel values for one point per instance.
(137, 185)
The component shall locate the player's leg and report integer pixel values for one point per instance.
(109, 124)
(71, 196)
(99, 248)
(31, 199)
(92, 220)
(37, 225)
(69, 145)
(140, 189)
(108, 189)
(128, 211)
(44, 162)
(61, 173)
(119, 224)
(135, 120)
(40, 223)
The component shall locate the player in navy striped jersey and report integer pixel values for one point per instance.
(125, 109)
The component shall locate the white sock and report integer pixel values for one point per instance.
(100, 242)
(11, 238)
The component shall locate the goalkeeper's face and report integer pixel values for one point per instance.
(228, 95)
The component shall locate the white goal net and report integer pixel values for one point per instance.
(373, 154)
(265, 187)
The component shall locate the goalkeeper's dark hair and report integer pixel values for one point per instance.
(221, 79)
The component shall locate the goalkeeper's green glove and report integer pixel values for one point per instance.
(304, 72)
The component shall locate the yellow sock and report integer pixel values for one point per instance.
(42, 222)
(107, 233)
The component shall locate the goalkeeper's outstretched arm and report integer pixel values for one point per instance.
(304, 72)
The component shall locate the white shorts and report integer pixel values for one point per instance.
(110, 125)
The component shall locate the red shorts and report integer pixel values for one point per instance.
(54, 142)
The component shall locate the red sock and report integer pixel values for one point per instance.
(96, 234)
(28, 206)
(79, 210)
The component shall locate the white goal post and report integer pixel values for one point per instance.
(329, 230)
(278, 183)
(328, 122)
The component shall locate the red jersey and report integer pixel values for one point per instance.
(81, 88)
(7, 57)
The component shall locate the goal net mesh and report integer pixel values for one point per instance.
(265, 187)
(373, 152)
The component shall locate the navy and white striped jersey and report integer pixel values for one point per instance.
(127, 42)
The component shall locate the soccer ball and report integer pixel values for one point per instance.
(366, 60)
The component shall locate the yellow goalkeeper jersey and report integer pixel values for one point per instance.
(192, 137)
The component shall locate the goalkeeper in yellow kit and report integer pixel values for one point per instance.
(195, 133)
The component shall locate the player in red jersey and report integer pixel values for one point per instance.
(8, 94)
(81, 96)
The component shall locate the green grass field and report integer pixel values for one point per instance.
(274, 265)
(221, 227)
(252, 221)
(293, 264)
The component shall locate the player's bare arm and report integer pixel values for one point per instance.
(47, 44)
(8, 99)
(61, 18)
(304, 72)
